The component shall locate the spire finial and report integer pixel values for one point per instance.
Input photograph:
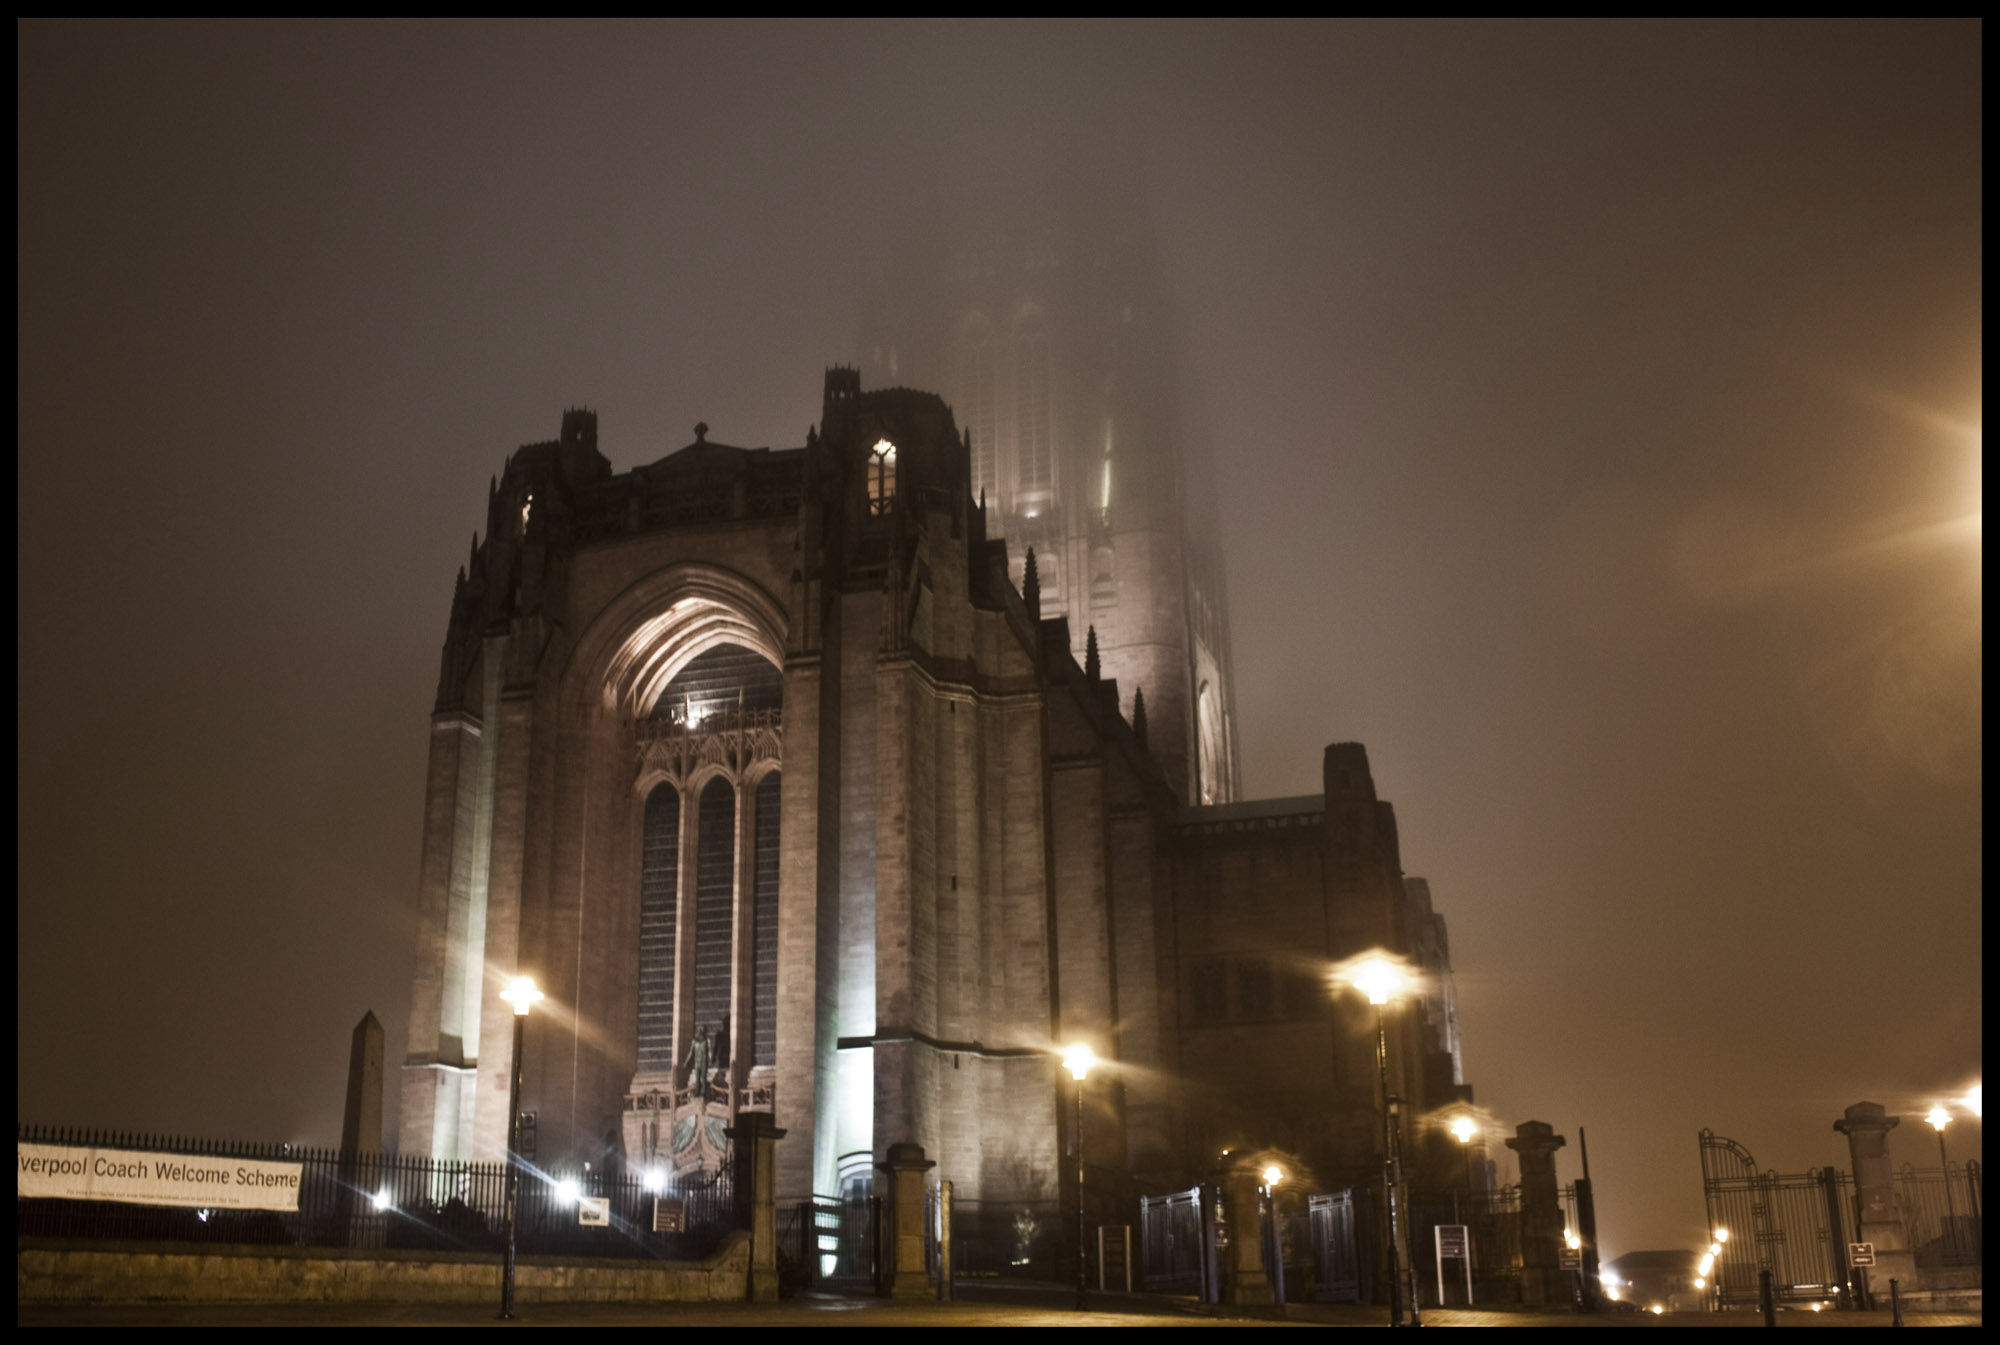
(1091, 668)
(700, 431)
(1139, 715)
(1031, 586)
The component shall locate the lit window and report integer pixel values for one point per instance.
(881, 476)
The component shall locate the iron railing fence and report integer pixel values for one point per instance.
(1492, 1219)
(1944, 1210)
(390, 1201)
(1009, 1238)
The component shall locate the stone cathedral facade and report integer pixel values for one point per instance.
(793, 799)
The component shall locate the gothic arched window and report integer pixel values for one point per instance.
(714, 911)
(659, 914)
(764, 923)
(881, 476)
(1208, 728)
(978, 397)
(1035, 432)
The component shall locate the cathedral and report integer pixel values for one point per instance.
(848, 781)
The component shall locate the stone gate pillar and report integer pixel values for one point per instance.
(756, 1137)
(1867, 1127)
(1541, 1214)
(1243, 1277)
(906, 1276)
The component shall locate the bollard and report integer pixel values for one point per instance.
(1764, 1297)
(1895, 1302)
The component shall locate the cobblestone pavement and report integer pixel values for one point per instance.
(1025, 1306)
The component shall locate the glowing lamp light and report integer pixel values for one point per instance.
(1570, 1237)
(655, 1180)
(1939, 1118)
(1079, 1060)
(1707, 1264)
(1975, 1101)
(1722, 1235)
(381, 1200)
(1658, 1310)
(1464, 1129)
(521, 993)
(1273, 1175)
(1700, 1282)
(567, 1191)
(1379, 979)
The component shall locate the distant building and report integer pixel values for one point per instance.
(1665, 1280)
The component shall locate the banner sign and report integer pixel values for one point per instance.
(60, 1172)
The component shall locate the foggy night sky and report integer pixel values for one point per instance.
(1596, 411)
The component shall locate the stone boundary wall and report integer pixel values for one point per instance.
(55, 1270)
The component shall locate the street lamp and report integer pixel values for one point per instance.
(1939, 1119)
(1078, 1059)
(1382, 980)
(1272, 1230)
(520, 993)
(1464, 1129)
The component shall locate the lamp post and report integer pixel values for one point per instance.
(1464, 1130)
(1939, 1119)
(1381, 980)
(1273, 1229)
(520, 993)
(1078, 1059)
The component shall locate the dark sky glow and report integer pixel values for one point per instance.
(1597, 409)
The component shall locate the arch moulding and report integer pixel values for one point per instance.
(660, 623)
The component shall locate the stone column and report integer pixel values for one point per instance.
(905, 1275)
(1541, 1214)
(1867, 1128)
(1243, 1277)
(756, 1136)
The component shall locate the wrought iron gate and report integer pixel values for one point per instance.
(1170, 1243)
(1794, 1226)
(1343, 1245)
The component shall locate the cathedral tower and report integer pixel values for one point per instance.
(1046, 327)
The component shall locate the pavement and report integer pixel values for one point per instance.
(975, 1304)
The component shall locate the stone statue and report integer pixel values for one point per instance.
(696, 1060)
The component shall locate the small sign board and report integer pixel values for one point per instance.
(1861, 1253)
(1570, 1258)
(524, 1136)
(1454, 1243)
(669, 1214)
(593, 1211)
